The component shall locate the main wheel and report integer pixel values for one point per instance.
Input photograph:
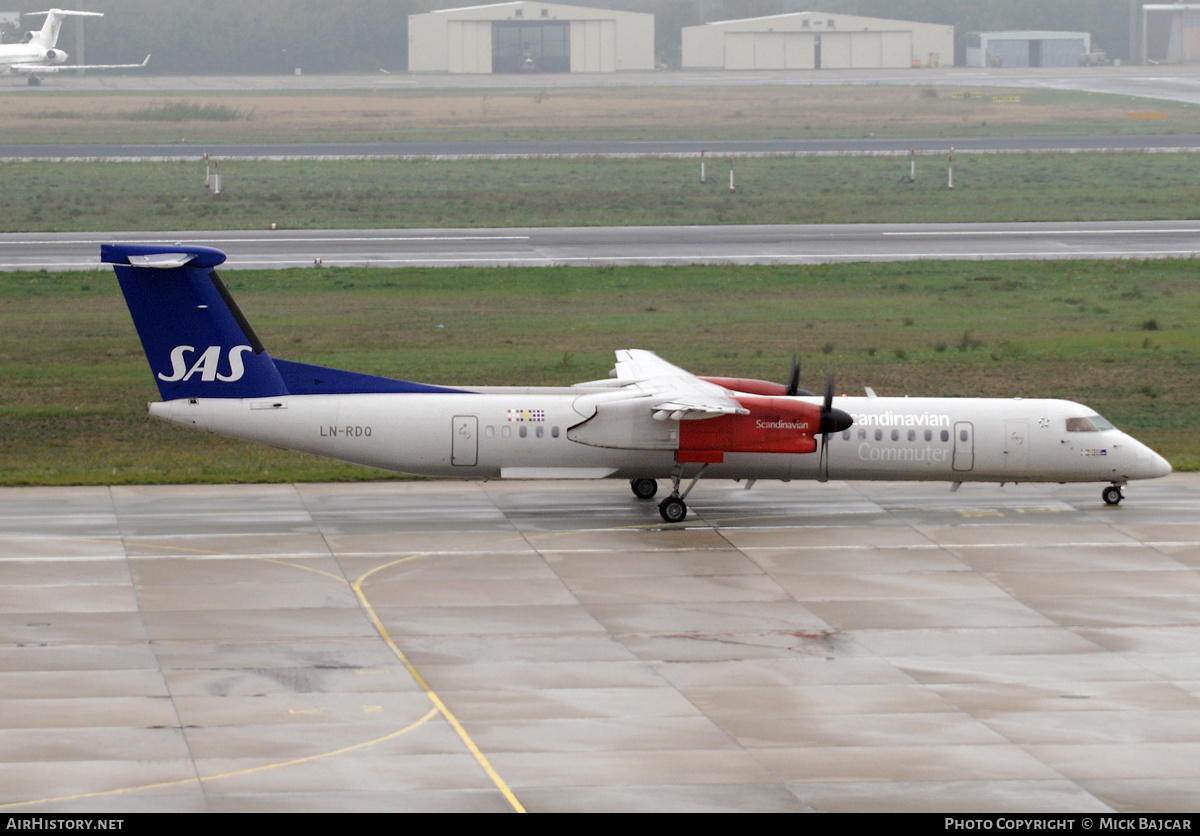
(643, 488)
(1112, 495)
(672, 509)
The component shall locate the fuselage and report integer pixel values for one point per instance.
(28, 54)
(490, 433)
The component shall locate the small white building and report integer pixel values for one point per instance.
(815, 41)
(527, 37)
(1027, 49)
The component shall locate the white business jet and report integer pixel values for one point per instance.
(650, 420)
(39, 53)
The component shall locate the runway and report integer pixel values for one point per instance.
(848, 646)
(546, 246)
(608, 148)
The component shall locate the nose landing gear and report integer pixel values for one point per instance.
(1112, 494)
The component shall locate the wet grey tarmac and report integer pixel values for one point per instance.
(553, 646)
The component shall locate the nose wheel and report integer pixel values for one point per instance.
(1112, 495)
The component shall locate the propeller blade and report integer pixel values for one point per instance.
(793, 387)
(832, 420)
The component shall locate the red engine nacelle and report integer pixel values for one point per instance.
(749, 385)
(774, 425)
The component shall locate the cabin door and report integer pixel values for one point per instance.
(964, 445)
(464, 440)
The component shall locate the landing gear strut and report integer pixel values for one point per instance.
(643, 488)
(672, 508)
(1112, 495)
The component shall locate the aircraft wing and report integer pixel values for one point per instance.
(57, 68)
(673, 392)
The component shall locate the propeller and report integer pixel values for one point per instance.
(832, 421)
(793, 386)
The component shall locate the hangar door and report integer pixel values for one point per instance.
(811, 50)
(769, 51)
(593, 46)
(469, 46)
(865, 50)
(531, 46)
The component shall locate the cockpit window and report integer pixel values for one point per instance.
(1091, 424)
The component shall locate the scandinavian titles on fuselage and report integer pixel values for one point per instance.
(900, 419)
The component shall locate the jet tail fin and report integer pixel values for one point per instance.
(197, 341)
(47, 36)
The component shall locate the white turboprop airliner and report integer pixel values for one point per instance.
(39, 53)
(650, 420)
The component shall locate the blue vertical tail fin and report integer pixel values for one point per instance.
(197, 341)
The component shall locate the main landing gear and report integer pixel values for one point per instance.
(672, 508)
(643, 488)
(1112, 494)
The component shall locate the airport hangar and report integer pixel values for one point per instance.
(815, 41)
(530, 37)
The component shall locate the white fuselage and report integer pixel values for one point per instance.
(556, 433)
(27, 54)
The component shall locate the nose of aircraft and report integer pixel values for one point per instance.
(1158, 465)
(1149, 465)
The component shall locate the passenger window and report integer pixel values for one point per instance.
(945, 435)
(912, 435)
(862, 435)
(540, 431)
(846, 435)
(506, 432)
(962, 435)
(879, 435)
(489, 431)
(895, 435)
(523, 431)
(929, 435)
(554, 432)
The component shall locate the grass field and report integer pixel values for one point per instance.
(593, 191)
(731, 112)
(1123, 337)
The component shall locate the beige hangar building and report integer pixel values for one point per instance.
(526, 37)
(815, 41)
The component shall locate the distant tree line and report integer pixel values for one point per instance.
(277, 36)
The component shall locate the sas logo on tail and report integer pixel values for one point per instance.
(206, 364)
